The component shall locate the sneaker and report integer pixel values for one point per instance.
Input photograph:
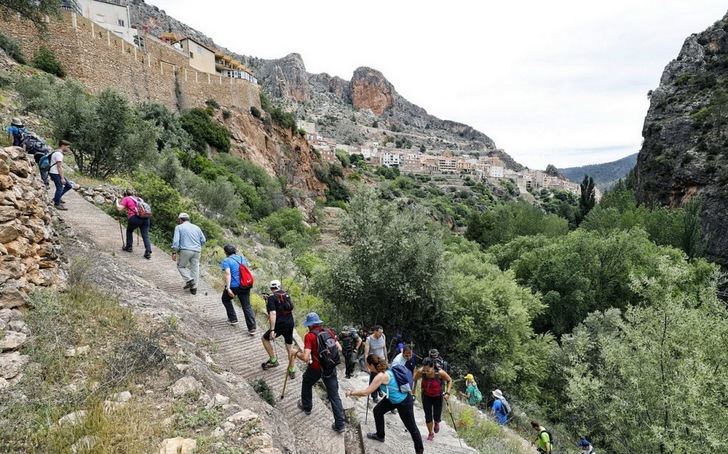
(148, 255)
(292, 373)
(430, 437)
(437, 427)
(340, 430)
(300, 407)
(126, 249)
(232, 323)
(193, 290)
(188, 284)
(251, 332)
(61, 207)
(268, 364)
(374, 436)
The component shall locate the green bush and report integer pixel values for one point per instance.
(12, 48)
(283, 118)
(171, 134)
(204, 131)
(45, 60)
(254, 111)
(505, 222)
(282, 224)
(36, 92)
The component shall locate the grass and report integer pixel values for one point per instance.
(484, 434)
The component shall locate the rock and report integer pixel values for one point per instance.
(371, 90)
(123, 396)
(242, 417)
(73, 419)
(8, 232)
(228, 426)
(12, 341)
(19, 326)
(84, 444)
(219, 400)
(77, 351)
(4, 384)
(178, 445)
(185, 385)
(12, 296)
(267, 451)
(218, 432)
(11, 364)
(99, 199)
(110, 406)
(182, 367)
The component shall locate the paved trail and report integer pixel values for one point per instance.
(238, 352)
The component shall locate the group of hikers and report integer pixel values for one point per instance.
(392, 384)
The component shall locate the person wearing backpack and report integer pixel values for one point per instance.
(472, 392)
(63, 185)
(586, 446)
(376, 344)
(350, 341)
(436, 385)
(231, 267)
(16, 132)
(321, 350)
(501, 408)
(187, 246)
(544, 440)
(280, 318)
(395, 398)
(138, 216)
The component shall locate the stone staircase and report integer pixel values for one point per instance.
(235, 349)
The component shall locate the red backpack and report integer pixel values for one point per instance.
(432, 387)
(246, 277)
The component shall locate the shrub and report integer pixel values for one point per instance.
(45, 60)
(282, 222)
(254, 111)
(212, 104)
(226, 114)
(264, 391)
(36, 92)
(171, 134)
(282, 118)
(12, 48)
(204, 130)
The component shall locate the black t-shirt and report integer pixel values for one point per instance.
(277, 303)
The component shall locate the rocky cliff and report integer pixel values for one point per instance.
(365, 108)
(686, 136)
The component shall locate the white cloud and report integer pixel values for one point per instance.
(543, 79)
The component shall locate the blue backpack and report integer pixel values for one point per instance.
(403, 376)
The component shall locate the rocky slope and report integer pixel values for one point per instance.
(686, 135)
(365, 108)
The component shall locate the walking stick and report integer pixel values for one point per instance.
(291, 360)
(121, 232)
(452, 418)
(366, 415)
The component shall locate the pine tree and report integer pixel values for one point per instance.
(587, 200)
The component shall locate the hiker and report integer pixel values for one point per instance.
(63, 185)
(16, 132)
(394, 399)
(363, 333)
(137, 217)
(543, 439)
(233, 287)
(433, 393)
(316, 339)
(472, 392)
(406, 358)
(501, 408)
(280, 319)
(375, 344)
(586, 446)
(187, 245)
(41, 154)
(350, 341)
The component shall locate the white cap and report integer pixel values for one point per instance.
(183, 216)
(275, 284)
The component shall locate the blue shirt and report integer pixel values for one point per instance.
(391, 389)
(17, 134)
(232, 263)
(500, 412)
(188, 237)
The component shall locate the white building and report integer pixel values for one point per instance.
(391, 159)
(496, 172)
(113, 17)
(202, 58)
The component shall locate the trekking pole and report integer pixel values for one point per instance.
(121, 232)
(291, 360)
(366, 415)
(452, 418)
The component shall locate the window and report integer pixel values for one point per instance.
(121, 22)
(192, 55)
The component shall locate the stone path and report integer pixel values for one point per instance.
(237, 351)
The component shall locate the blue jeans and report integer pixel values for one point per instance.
(310, 377)
(243, 295)
(142, 224)
(60, 188)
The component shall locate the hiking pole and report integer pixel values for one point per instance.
(291, 360)
(452, 418)
(121, 232)
(366, 415)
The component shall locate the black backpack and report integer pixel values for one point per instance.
(552, 441)
(35, 145)
(283, 302)
(328, 352)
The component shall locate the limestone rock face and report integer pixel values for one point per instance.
(684, 150)
(370, 90)
(178, 445)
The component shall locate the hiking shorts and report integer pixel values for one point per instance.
(432, 407)
(285, 330)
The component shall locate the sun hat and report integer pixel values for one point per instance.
(16, 122)
(312, 319)
(434, 353)
(275, 284)
(470, 377)
(184, 216)
(498, 394)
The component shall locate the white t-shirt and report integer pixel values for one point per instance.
(399, 360)
(56, 157)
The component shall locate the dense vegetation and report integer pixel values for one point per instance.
(604, 174)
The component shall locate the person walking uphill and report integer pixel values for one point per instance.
(351, 342)
(187, 246)
(375, 344)
(472, 393)
(434, 392)
(138, 216)
(395, 398)
(501, 408)
(233, 287)
(543, 440)
(16, 131)
(280, 318)
(57, 174)
(320, 339)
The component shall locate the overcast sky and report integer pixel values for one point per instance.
(560, 82)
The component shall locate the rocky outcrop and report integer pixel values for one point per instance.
(370, 90)
(286, 78)
(28, 245)
(686, 136)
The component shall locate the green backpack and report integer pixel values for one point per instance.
(476, 397)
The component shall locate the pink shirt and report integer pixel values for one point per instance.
(129, 203)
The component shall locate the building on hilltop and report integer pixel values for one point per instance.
(202, 58)
(111, 16)
(229, 67)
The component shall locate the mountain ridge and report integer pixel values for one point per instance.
(603, 173)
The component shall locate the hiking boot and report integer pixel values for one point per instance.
(126, 249)
(374, 436)
(340, 430)
(148, 255)
(292, 373)
(193, 290)
(251, 332)
(437, 427)
(299, 404)
(430, 437)
(188, 284)
(60, 207)
(268, 364)
(232, 322)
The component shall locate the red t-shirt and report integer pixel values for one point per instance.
(310, 342)
(130, 204)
